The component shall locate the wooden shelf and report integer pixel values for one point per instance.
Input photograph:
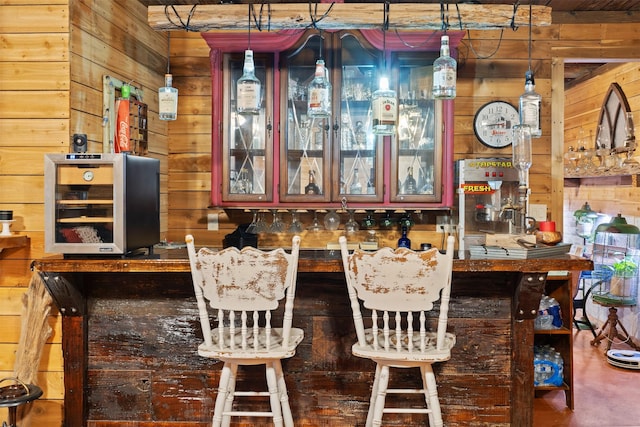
(85, 220)
(577, 181)
(13, 241)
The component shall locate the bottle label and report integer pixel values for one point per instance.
(531, 114)
(385, 111)
(167, 102)
(444, 78)
(318, 98)
(248, 96)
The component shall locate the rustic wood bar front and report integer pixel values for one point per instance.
(130, 331)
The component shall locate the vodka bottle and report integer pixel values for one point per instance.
(371, 186)
(248, 88)
(319, 99)
(356, 185)
(312, 187)
(410, 186)
(168, 99)
(384, 105)
(444, 72)
(404, 241)
(530, 102)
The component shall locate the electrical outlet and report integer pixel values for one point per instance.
(446, 228)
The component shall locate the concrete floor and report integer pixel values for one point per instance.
(604, 395)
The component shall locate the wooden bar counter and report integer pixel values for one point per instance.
(130, 330)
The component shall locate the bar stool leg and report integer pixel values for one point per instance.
(12, 416)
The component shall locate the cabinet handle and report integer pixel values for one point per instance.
(336, 127)
(269, 126)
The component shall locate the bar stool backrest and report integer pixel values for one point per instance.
(244, 287)
(399, 287)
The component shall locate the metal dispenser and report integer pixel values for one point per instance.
(488, 199)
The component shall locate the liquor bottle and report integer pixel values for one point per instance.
(530, 102)
(312, 187)
(410, 186)
(360, 140)
(444, 72)
(356, 186)
(168, 99)
(384, 106)
(371, 186)
(319, 99)
(248, 88)
(404, 241)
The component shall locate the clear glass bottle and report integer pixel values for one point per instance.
(404, 241)
(410, 186)
(356, 185)
(444, 72)
(384, 106)
(360, 140)
(312, 187)
(248, 88)
(319, 98)
(371, 185)
(530, 102)
(168, 99)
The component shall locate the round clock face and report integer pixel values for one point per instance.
(493, 123)
(87, 176)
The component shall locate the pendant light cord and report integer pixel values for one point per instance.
(169, 52)
(530, 2)
(385, 27)
(249, 27)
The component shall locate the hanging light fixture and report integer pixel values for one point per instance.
(444, 67)
(384, 101)
(319, 90)
(248, 87)
(530, 100)
(168, 95)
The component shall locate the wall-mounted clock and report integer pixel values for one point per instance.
(493, 124)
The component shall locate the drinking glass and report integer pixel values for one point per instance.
(315, 223)
(351, 226)
(251, 229)
(277, 226)
(296, 225)
(331, 220)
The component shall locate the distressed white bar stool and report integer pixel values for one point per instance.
(245, 288)
(397, 289)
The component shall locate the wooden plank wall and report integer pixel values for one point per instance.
(55, 52)
(582, 110)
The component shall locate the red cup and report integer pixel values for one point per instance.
(547, 225)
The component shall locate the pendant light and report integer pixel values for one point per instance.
(248, 87)
(444, 67)
(168, 95)
(530, 100)
(319, 90)
(384, 101)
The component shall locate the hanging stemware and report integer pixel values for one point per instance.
(295, 226)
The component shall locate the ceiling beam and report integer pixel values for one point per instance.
(344, 16)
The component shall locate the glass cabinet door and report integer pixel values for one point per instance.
(417, 149)
(358, 159)
(304, 148)
(248, 138)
